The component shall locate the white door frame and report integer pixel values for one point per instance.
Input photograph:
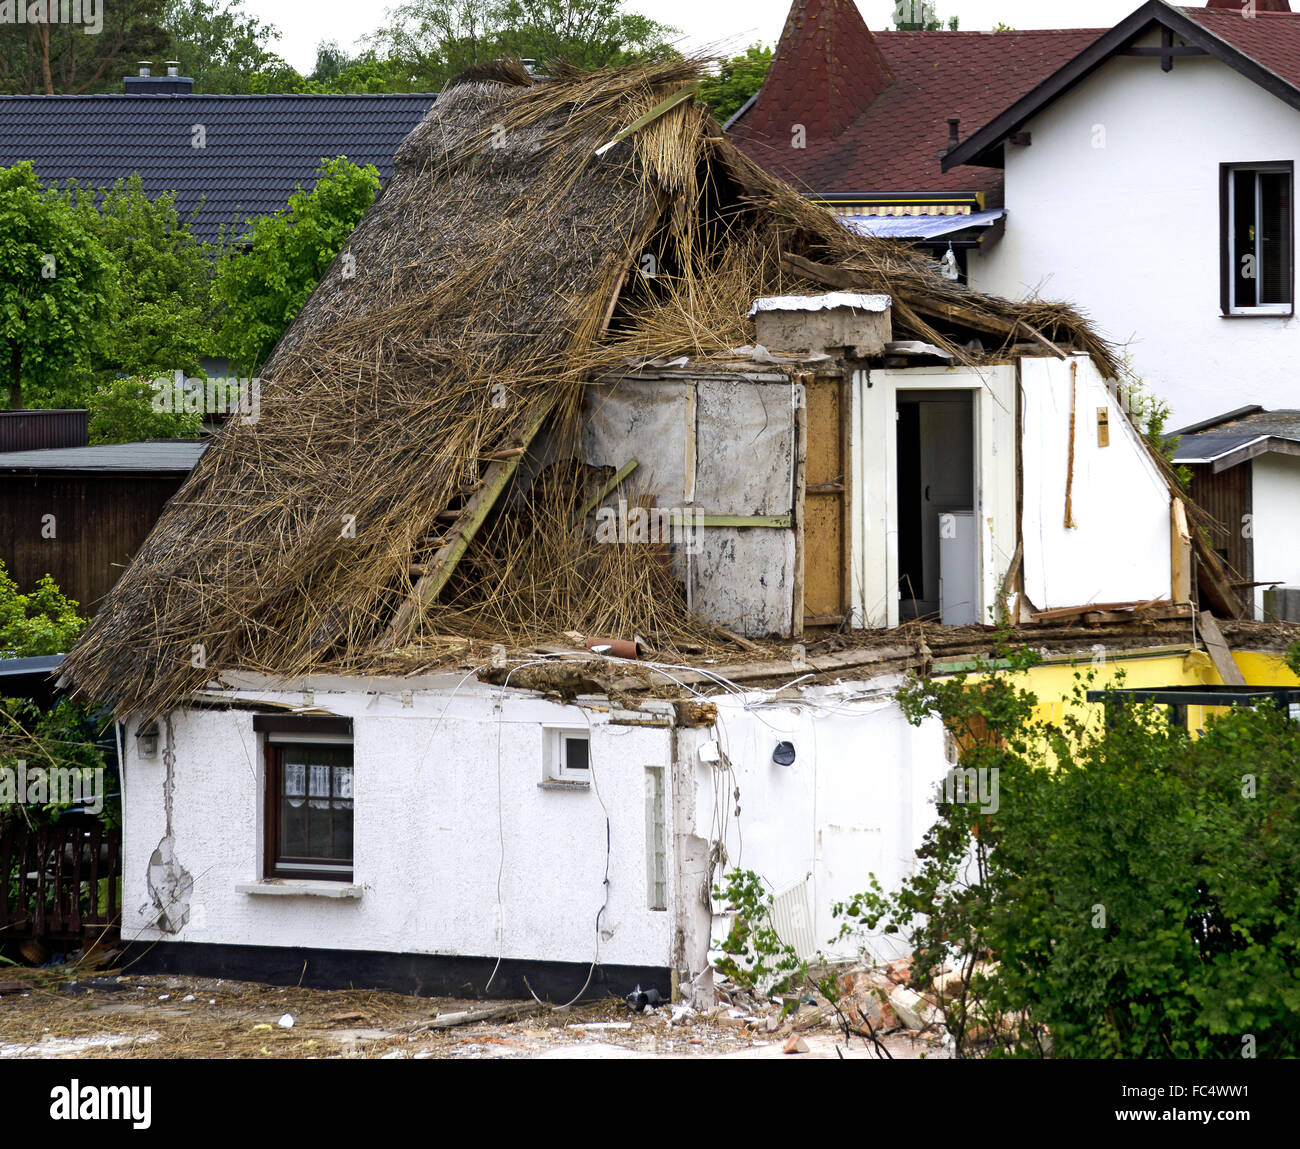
(873, 491)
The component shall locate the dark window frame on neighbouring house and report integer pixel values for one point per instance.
(295, 791)
(1257, 234)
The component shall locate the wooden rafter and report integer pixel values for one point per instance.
(456, 541)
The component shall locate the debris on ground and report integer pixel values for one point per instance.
(56, 1013)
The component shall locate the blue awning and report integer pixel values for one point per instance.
(919, 226)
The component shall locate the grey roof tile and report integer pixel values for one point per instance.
(258, 148)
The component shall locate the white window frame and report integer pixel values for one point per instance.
(555, 755)
(1287, 308)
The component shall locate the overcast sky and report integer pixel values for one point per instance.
(730, 24)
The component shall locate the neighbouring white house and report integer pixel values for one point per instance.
(1245, 468)
(422, 679)
(1151, 181)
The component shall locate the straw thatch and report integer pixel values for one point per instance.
(488, 282)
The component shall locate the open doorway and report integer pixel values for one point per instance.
(938, 553)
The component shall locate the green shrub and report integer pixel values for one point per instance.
(42, 622)
(1134, 899)
(123, 411)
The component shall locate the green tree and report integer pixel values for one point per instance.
(42, 622)
(125, 411)
(737, 80)
(56, 286)
(585, 33)
(1129, 894)
(53, 57)
(159, 321)
(920, 16)
(221, 46)
(265, 277)
(429, 41)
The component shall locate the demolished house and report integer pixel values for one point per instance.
(547, 589)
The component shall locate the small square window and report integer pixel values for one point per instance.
(568, 756)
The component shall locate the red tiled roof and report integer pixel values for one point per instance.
(893, 145)
(1271, 39)
(827, 68)
(1260, 5)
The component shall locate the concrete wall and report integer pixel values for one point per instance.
(856, 801)
(439, 795)
(447, 805)
(1115, 207)
(1275, 503)
(1119, 547)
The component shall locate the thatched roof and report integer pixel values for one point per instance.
(478, 293)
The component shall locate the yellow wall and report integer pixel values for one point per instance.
(1054, 682)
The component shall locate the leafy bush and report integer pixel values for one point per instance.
(1131, 896)
(122, 411)
(265, 277)
(157, 320)
(738, 78)
(42, 622)
(56, 285)
(753, 955)
(65, 737)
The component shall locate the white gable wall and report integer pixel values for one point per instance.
(1129, 231)
(1119, 547)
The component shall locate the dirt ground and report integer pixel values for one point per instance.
(46, 1014)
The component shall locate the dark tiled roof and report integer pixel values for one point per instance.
(257, 148)
(1220, 438)
(894, 145)
(1271, 39)
(177, 456)
(827, 68)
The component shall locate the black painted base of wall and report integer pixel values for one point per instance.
(427, 975)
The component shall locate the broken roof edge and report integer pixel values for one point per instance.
(583, 675)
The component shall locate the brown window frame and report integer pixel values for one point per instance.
(338, 733)
(1226, 263)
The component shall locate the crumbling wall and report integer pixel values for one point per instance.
(719, 446)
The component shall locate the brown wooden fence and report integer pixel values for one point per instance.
(59, 883)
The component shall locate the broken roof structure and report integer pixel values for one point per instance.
(533, 236)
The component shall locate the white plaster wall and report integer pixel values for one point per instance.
(856, 801)
(1119, 548)
(874, 451)
(1130, 231)
(1275, 505)
(435, 799)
